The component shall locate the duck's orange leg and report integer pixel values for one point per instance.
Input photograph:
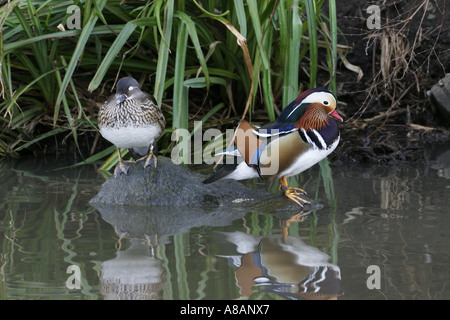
(284, 186)
(295, 194)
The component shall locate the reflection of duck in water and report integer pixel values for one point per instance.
(137, 273)
(134, 274)
(288, 268)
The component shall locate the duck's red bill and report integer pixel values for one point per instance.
(336, 115)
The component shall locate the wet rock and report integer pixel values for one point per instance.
(171, 185)
(440, 98)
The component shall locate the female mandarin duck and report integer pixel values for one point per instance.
(305, 133)
(131, 119)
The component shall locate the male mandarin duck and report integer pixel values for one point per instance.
(305, 133)
(131, 119)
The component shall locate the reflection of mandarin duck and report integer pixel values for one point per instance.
(305, 133)
(291, 269)
(131, 119)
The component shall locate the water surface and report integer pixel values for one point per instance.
(393, 221)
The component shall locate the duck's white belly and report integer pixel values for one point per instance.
(243, 172)
(131, 137)
(308, 159)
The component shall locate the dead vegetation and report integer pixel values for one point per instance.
(389, 115)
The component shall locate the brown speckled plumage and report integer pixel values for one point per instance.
(131, 119)
(133, 112)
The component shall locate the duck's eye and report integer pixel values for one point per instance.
(326, 102)
(130, 88)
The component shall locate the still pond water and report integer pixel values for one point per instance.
(383, 233)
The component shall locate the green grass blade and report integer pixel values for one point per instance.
(267, 80)
(284, 26)
(292, 54)
(163, 53)
(74, 90)
(26, 88)
(257, 27)
(333, 31)
(190, 27)
(313, 46)
(17, 45)
(200, 82)
(68, 116)
(241, 17)
(41, 137)
(111, 55)
(180, 108)
(327, 175)
(98, 156)
(25, 116)
(84, 37)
